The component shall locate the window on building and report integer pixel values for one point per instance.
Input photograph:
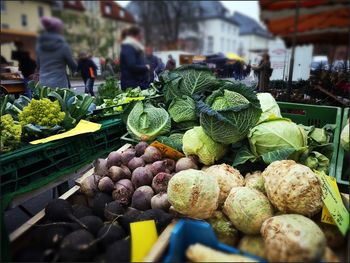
(222, 44)
(228, 47)
(3, 6)
(5, 26)
(122, 13)
(210, 44)
(24, 20)
(40, 11)
(222, 26)
(108, 9)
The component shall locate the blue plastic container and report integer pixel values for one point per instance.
(188, 232)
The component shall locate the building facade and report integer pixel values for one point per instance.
(20, 23)
(94, 26)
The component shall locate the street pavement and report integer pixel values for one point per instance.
(78, 85)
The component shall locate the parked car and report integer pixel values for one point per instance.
(339, 65)
(319, 63)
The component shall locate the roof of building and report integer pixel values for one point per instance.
(249, 26)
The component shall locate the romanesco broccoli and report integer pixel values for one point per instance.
(10, 133)
(42, 112)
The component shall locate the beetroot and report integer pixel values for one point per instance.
(113, 210)
(140, 148)
(123, 191)
(106, 185)
(170, 165)
(127, 155)
(160, 182)
(141, 176)
(116, 173)
(101, 168)
(151, 154)
(126, 172)
(89, 186)
(93, 223)
(158, 166)
(160, 201)
(136, 162)
(114, 159)
(141, 198)
(185, 163)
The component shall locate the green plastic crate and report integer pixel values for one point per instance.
(342, 172)
(317, 116)
(31, 163)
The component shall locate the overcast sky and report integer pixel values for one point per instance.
(249, 8)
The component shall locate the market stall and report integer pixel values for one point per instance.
(210, 171)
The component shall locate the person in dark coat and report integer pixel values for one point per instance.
(264, 70)
(88, 71)
(153, 62)
(133, 68)
(53, 55)
(171, 63)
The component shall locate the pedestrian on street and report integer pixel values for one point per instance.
(26, 65)
(171, 63)
(153, 62)
(264, 71)
(109, 69)
(88, 71)
(53, 54)
(133, 68)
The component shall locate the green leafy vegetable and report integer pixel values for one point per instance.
(276, 134)
(174, 140)
(107, 90)
(229, 113)
(183, 109)
(269, 107)
(344, 138)
(317, 161)
(197, 142)
(146, 122)
(187, 80)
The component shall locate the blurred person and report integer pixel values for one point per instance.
(264, 72)
(88, 71)
(26, 65)
(152, 61)
(53, 54)
(134, 71)
(161, 66)
(109, 69)
(247, 69)
(171, 63)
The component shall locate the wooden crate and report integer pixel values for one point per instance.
(20, 238)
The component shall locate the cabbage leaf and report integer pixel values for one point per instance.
(187, 80)
(145, 122)
(269, 107)
(183, 109)
(229, 112)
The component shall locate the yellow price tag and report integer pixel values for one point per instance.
(326, 217)
(167, 151)
(143, 236)
(332, 200)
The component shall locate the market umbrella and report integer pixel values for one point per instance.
(318, 21)
(234, 56)
(307, 22)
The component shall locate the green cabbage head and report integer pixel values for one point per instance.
(196, 142)
(276, 135)
(269, 107)
(344, 138)
(146, 122)
(229, 113)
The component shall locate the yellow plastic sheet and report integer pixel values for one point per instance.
(82, 127)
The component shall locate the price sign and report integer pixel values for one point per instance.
(334, 204)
